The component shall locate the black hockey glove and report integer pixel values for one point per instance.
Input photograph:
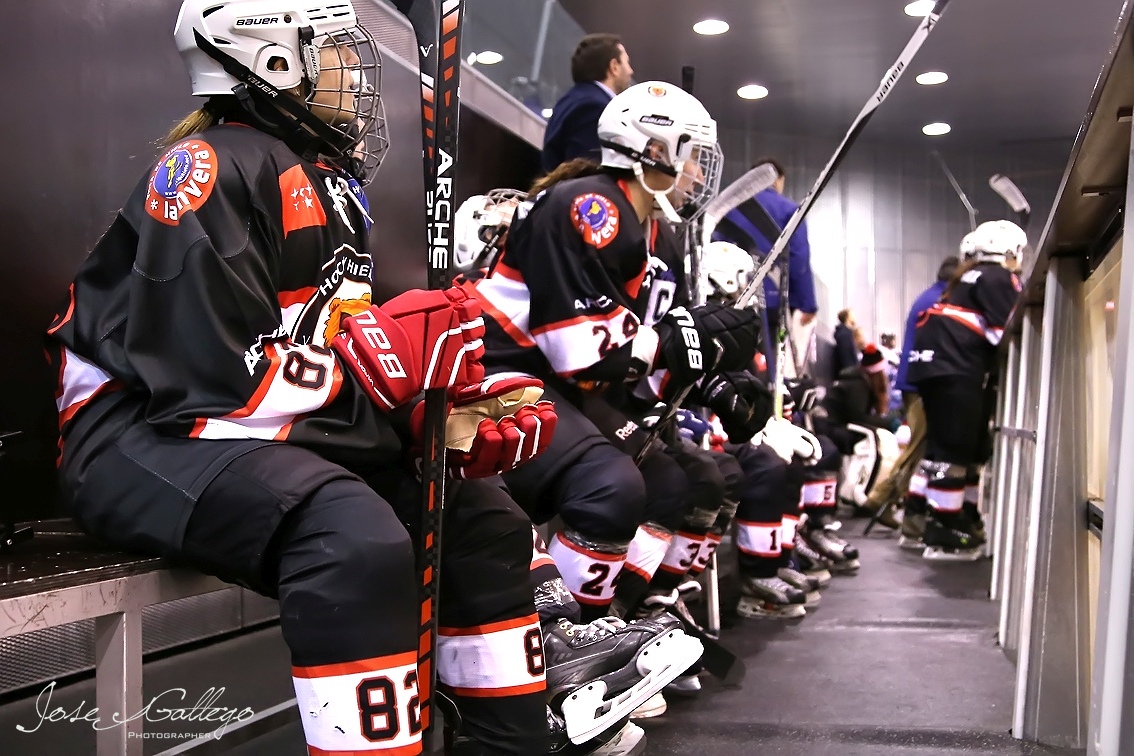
(707, 338)
(741, 400)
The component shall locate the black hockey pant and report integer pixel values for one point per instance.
(287, 523)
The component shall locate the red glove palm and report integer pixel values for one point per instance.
(494, 426)
(418, 340)
(503, 445)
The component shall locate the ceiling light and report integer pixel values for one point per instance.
(920, 8)
(489, 58)
(929, 78)
(710, 26)
(752, 92)
(471, 59)
(546, 112)
(936, 129)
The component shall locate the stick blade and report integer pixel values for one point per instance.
(744, 188)
(1009, 192)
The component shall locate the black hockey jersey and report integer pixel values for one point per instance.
(565, 295)
(959, 334)
(214, 294)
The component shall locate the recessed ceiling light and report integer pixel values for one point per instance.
(489, 58)
(752, 92)
(929, 78)
(471, 59)
(546, 112)
(920, 8)
(710, 26)
(936, 129)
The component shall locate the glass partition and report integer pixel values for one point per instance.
(1100, 324)
(523, 46)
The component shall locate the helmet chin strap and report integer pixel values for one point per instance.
(660, 199)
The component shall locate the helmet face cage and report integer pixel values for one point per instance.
(698, 180)
(482, 221)
(344, 71)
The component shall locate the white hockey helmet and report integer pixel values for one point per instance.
(657, 113)
(273, 52)
(725, 270)
(1001, 242)
(479, 225)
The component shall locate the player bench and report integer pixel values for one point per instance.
(61, 576)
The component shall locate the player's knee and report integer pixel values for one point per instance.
(608, 499)
(668, 490)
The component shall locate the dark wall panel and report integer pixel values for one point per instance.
(84, 129)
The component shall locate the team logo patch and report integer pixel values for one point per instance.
(596, 219)
(657, 91)
(182, 181)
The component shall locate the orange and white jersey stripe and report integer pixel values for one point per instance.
(589, 575)
(760, 539)
(369, 706)
(492, 661)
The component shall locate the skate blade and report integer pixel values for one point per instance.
(849, 567)
(587, 712)
(813, 599)
(938, 554)
(823, 576)
(755, 609)
(910, 544)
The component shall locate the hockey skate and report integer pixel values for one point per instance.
(913, 532)
(597, 674)
(974, 523)
(623, 739)
(799, 581)
(716, 659)
(687, 685)
(810, 562)
(770, 598)
(654, 706)
(842, 556)
(947, 539)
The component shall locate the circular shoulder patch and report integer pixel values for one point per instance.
(182, 181)
(596, 219)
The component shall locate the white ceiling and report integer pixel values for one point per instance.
(1020, 70)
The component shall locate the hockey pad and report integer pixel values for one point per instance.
(741, 400)
(494, 398)
(418, 340)
(500, 446)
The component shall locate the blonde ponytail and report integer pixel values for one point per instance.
(197, 121)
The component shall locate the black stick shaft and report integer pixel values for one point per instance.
(438, 33)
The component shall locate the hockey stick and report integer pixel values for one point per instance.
(1011, 194)
(957, 188)
(754, 181)
(876, 99)
(438, 43)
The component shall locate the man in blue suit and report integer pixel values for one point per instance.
(756, 229)
(600, 69)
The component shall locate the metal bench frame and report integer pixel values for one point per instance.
(116, 606)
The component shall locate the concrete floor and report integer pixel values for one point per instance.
(900, 659)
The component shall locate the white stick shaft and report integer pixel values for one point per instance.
(876, 99)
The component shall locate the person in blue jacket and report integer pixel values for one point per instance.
(891, 491)
(600, 69)
(801, 286)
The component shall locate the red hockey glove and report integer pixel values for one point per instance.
(418, 340)
(503, 445)
(494, 426)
